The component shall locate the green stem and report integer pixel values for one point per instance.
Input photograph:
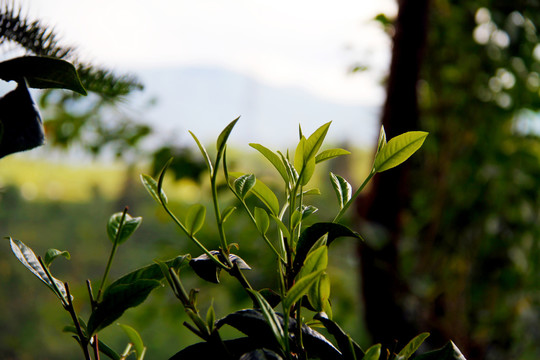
(353, 198)
(111, 255)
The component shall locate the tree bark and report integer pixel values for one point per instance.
(382, 288)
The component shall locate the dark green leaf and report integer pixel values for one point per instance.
(202, 350)
(29, 259)
(330, 154)
(120, 227)
(195, 218)
(281, 226)
(244, 184)
(342, 188)
(117, 299)
(343, 340)
(135, 339)
(449, 352)
(151, 185)
(274, 159)
(399, 149)
(411, 347)
(313, 233)
(52, 254)
(261, 354)
(252, 323)
(207, 269)
(42, 73)
(271, 297)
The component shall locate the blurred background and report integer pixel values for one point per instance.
(452, 237)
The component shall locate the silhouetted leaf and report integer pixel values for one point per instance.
(261, 354)
(343, 340)
(449, 352)
(42, 73)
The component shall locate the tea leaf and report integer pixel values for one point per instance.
(449, 352)
(42, 73)
(211, 317)
(261, 220)
(342, 188)
(344, 341)
(274, 160)
(300, 288)
(244, 184)
(382, 140)
(52, 254)
(222, 138)
(314, 142)
(281, 226)
(117, 299)
(260, 354)
(204, 153)
(330, 154)
(271, 318)
(227, 212)
(412, 346)
(399, 149)
(29, 259)
(195, 218)
(373, 353)
(135, 339)
(120, 227)
(264, 194)
(151, 185)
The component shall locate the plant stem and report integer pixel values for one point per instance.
(83, 341)
(353, 198)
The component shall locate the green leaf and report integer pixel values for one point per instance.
(281, 226)
(117, 299)
(29, 259)
(274, 160)
(382, 140)
(135, 339)
(42, 73)
(211, 317)
(244, 184)
(330, 154)
(308, 210)
(52, 254)
(151, 185)
(222, 138)
(304, 165)
(120, 227)
(271, 318)
(151, 272)
(204, 153)
(227, 212)
(412, 346)
(315, 262)
(399, 149)
(300, 288)
(261, 220)
(449, 352)
(264, 194)
(373, 353)
(313, 233)
(342, 188)
(195, 218)
(314, 142)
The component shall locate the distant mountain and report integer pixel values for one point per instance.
(205, 100)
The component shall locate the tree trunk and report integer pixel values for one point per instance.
(382, 207)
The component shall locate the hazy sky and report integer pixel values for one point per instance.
(300, 43)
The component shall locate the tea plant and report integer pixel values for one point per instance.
(281, 323)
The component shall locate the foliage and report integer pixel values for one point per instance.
(300, 251)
